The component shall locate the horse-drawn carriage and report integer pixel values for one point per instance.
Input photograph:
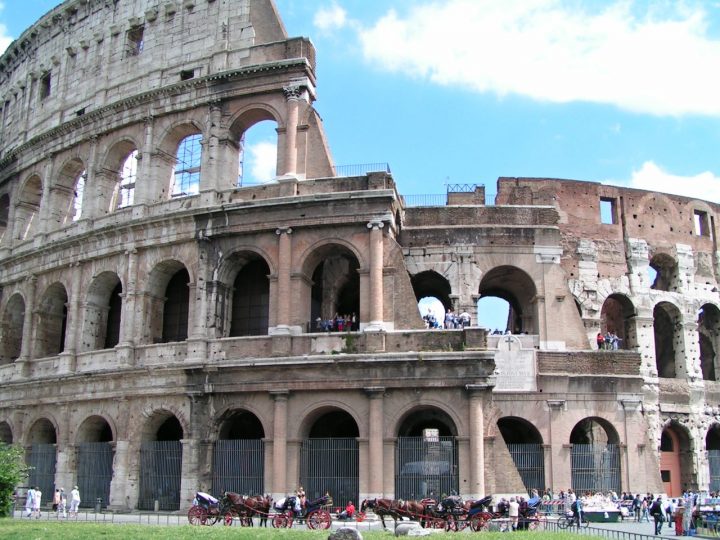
(206, 510)
(315, 513)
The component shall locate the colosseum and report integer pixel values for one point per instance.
(164, 326)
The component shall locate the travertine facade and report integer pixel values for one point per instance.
(158, 322)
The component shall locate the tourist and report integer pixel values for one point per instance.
(513, 513)
(74, 501)
(62, 504)
(37, 501)
(656, 511)
(29, 501)
(349, 511)
(600, 341)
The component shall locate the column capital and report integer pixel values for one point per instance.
(375, 225)
(283, 230)
(374, 392)
(280, 395)
(478, 389)
(293, 92)
(556, 404)
(631, 404)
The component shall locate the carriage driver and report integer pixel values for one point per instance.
(300, 494)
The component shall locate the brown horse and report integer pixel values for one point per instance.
(247, 507)
(382, 508)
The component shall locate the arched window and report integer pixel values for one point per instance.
(175, 313)
(79, 193)
(186, 176)
(128, 177)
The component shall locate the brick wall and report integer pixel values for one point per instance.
(589, 362)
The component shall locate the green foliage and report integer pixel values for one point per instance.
(13, 472)
(350, 344)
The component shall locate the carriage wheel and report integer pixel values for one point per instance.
(533, 524)
(451, 524)
(229, 517)
(282, 521)
(360, 517)
(212, 518)
(437, 523)
(197, 515)
(319, 519)
(478, 523)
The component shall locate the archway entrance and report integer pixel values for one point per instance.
(41, 456)
(616, 317)
(329, 458)
(517, 288)
(712, 445)
(595, 456)
(524, 443)
(239, 455)
(426, 455)
(675, 460)
(161, 463)
(335, 288)
(95, 455)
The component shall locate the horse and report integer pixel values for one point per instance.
(382, 508)
(249, 506)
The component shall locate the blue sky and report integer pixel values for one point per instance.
(622, 92)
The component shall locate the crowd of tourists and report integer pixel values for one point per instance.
(608, 341)
(338, 323)
(450, 321)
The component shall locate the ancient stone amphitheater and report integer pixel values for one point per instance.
(159, 327)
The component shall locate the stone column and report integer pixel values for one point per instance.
(45, 202)
(26, 348)
(279, 484)
(118, 484)
(282, 316)
(126, 343)
(476, 489)
(633, 424)
(146, 182)
(91, 204)
(67, 357)
(293, 94)
(198, 339)
(376, 277)
(688, 359)
(559, 473)
(644, 330)
(375, 441)
(189, 475)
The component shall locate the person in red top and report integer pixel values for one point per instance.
(349, 511)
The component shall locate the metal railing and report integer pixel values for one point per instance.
(361, 169)
(438, 199)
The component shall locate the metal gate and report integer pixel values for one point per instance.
(41, 458)
(530, 462)
(596, 467)
(714, 463)
(330, 465)
(425, 467)
(238, 466)
(94, 472)
(160, 472)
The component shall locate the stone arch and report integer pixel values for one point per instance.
(161, 455)
(182, 171)
(239, 453)
(669, 350)
(431, 284)
(676, 459)
(712, 446)
(4, 214)
(516, 430)
(41, 455)
(112, 189)
(525, 445)
(94, 429)
(329, 455)
(95, 455)
(66, 194)
(102, 313)
(52, 321)
(595, 456)
(42, 430)
(12, 329)
(617, 316)
(709, 340)
(244, 130)
(169, 298)
(518, 289)
(6, 433)
(27, 209)
(334, 288)
(666, 272)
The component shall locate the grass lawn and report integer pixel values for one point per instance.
(44, 530)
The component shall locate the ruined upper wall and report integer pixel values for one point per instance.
(86, 54)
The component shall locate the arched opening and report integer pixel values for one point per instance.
(52, 322)
(676, 460)
(432, 311)
(430, 284)
(103, 310)
(27, 209)
(128, 178)
(186, 174)
(709, 340)
(251, 300)
(176, 308)
(12, 329)
(525, 445)
(41, 455)
(426, 455)
(4, 214)
(494, 314)
(95, 455)
(335, 291)
(239, 454)
(517, 289)
(161, 462)
(663, 273)
(257, 153)
(617, 318)
(66, 200)
(6, 435)
(329, 457)
(712, 445)
(595, 456)
(667, 326)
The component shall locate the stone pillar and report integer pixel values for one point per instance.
(293, 95)
(633, 426)
(559, 473)
(91, 201)
(126, 343)
(118, 484)
(279, 484)
(45, 202)
(189, 475)
(375, 441)
(26, 348)
(688, 359)
(198, 339)
(282, 316)
(376, 277)
(476, 489)
(146, 182)
(67, 357)
(645, 332)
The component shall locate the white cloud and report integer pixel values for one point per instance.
(5, 38)
(704, 186)
(263, 160)
(330, 18)
(658, 62)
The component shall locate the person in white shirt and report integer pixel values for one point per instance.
(513, 512)
(29, 501)
(74, 501)
(37, 501)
